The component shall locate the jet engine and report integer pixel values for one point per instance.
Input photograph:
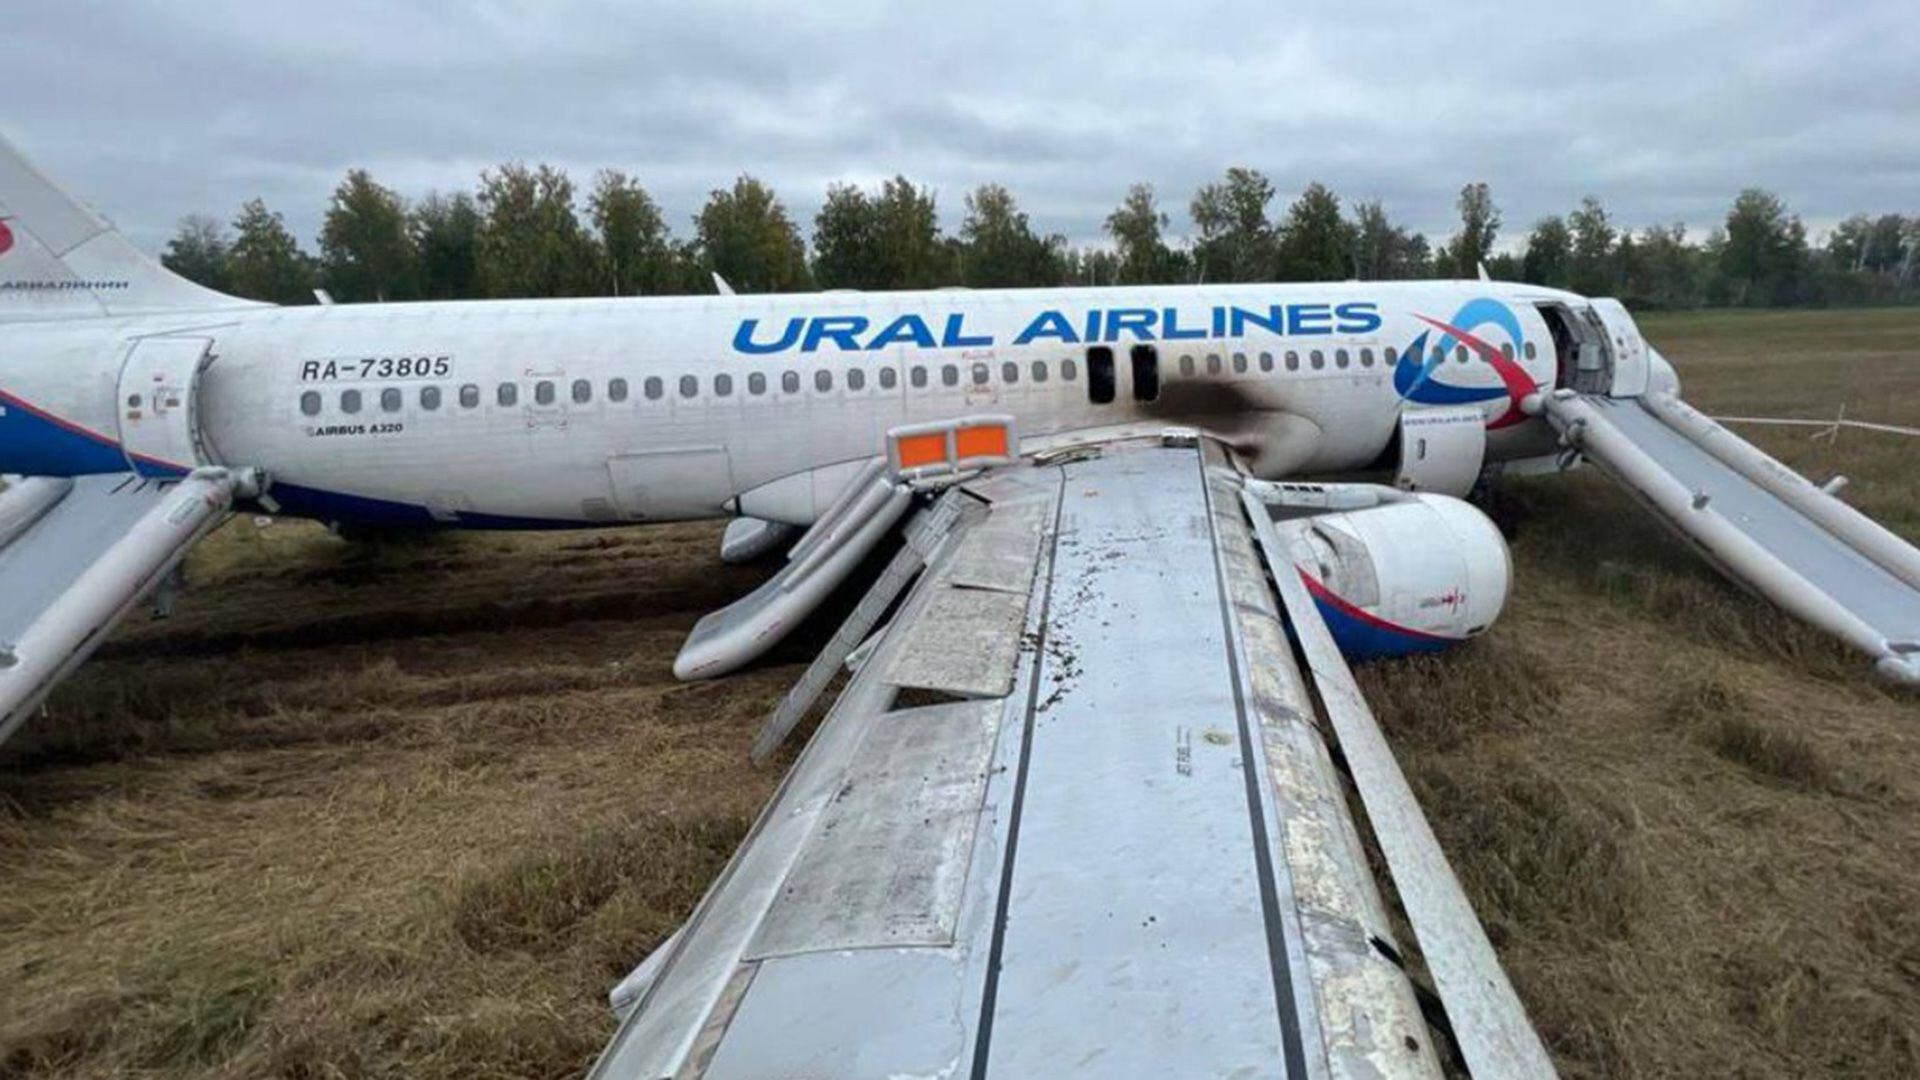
(1393, 573)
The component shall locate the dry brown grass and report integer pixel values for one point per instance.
(411, 809)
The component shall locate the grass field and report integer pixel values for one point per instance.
(412, 808)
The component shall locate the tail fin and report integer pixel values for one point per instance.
(60, 260)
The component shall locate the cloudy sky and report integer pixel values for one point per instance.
(151, 110)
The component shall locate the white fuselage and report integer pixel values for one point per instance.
(570, 412)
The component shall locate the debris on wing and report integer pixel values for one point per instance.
(1073, 814)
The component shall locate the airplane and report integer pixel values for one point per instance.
(997, 434)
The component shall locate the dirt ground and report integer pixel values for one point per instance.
(411, 808)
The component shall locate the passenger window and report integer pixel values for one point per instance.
(1391, 355)
(1439, 355)
(1266, 361)
(1039, 371)
(823, 380)
(1460, 354)
(1186, 365)
(756, 383)
(543, 392)
(469, 396)
(1293, 360)
(889, 378)
(390, 399)
(1340, 358)
(1213, 363)
(723, 386)
(1100, 387)
(310, 403)
(979, 374)
(1146, 372)
(949, 375)
(1009, 373)
(1239, 363)
(689, 386)
(582, 391)
(1530, 351)
(616, 390)
(790, 381)
(430, 398)
(856, 379)
(1069, 371)
(350, 401)
(1366, 357)
(1506, 350)
(918, 377)
(1318, 359)
(654, 388)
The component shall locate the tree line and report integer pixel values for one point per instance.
(522, 233)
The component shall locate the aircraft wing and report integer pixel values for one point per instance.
(1077, 813)
(75, 556)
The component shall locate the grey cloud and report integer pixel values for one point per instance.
(154, 109)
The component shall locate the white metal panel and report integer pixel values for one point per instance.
(1441, 449)
(158, 407)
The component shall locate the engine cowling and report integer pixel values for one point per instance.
(1417, 574)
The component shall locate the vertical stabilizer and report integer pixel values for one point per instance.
(60, 260)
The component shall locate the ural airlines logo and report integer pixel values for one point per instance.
(1416, 376)
(6, 237)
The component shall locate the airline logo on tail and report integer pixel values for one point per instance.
(6, 237)
(1415, 376)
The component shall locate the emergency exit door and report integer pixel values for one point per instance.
(159, 403)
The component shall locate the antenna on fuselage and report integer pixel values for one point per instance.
(720, 285)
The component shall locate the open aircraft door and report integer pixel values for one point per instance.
(159, 392)
(1625, 345)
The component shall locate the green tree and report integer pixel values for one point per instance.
(1316, 243)
(636, 252)
(1234, 241)
(1384, 251)
(1847, 247)
(265, 262)
(887, 240)
(1765, 254)
(1888, 244)
(199, 250)
(1479, 224)
(365, 250)
(1665, 272)
(530, 242)
(911, 252)
(1589, 270)
(1141, 255)
(845, 245)
(999, 248)
(445, 230)
(1549, 253)
(745, 236)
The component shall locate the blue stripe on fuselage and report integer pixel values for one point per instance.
(298, 500)
(36, 443)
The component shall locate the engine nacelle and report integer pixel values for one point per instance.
(1416, 574)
